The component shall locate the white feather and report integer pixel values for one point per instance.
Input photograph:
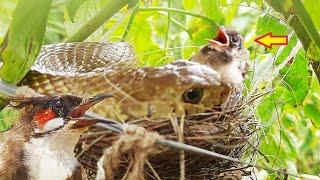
(1, 152)
(52, 157)
(53, 124)
(100, 171)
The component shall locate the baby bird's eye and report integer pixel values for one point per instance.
(235, 39)
(193, 95)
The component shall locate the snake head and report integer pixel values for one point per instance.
(182, 87)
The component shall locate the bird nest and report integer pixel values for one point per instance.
(225, 130)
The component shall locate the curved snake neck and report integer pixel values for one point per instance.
(83, 57)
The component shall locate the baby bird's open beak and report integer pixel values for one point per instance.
(221, 41)
(77, 113)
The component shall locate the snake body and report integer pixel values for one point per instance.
(88, 68)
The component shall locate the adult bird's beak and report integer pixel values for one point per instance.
(221, 41)
(80, 110)
(77, 113)
(83, 122)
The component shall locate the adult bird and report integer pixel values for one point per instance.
(41, 143)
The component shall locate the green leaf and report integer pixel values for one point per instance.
(232, 10)
(201, 32)
(24, 38)
(304, 20)
(289, 145)
(312, 7)
(6, 9)
(289, 117)
(140, 36)
(270, 147)
(287, 5)
(8, 117)
(312, 110)
(132, 3)
(188, 5)
(313, 51)
(308, 24)
(268, 109)
(308, 140)
(85, 12)
(72, 7)
(212, 10)
(257, 2)
(296, 79)
(109, 9)
(287, 50)
(268, 24)
(55, 31)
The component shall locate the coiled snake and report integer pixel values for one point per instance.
(87, 68)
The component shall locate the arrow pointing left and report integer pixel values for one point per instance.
(268, 40)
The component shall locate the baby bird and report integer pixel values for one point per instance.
(227, 55)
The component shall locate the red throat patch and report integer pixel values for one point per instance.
(43, 116)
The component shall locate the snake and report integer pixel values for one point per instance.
(87, 68)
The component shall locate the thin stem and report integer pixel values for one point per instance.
(174, 10)
(98, 20)
(130, 22)
(168, 28)
(180, 11)
(115, 26)
(177, 23)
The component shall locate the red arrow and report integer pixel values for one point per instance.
(268, 40)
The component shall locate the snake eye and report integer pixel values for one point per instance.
(193, 95)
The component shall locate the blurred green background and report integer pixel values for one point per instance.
(162, 31)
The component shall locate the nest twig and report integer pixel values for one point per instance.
(225, 130)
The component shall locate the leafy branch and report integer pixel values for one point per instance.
(166, 9)
(98, 20)
(24, 39)
(180, 11)
(299, 19)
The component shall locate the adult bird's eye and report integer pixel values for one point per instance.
(193, 95)
(57, 105)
